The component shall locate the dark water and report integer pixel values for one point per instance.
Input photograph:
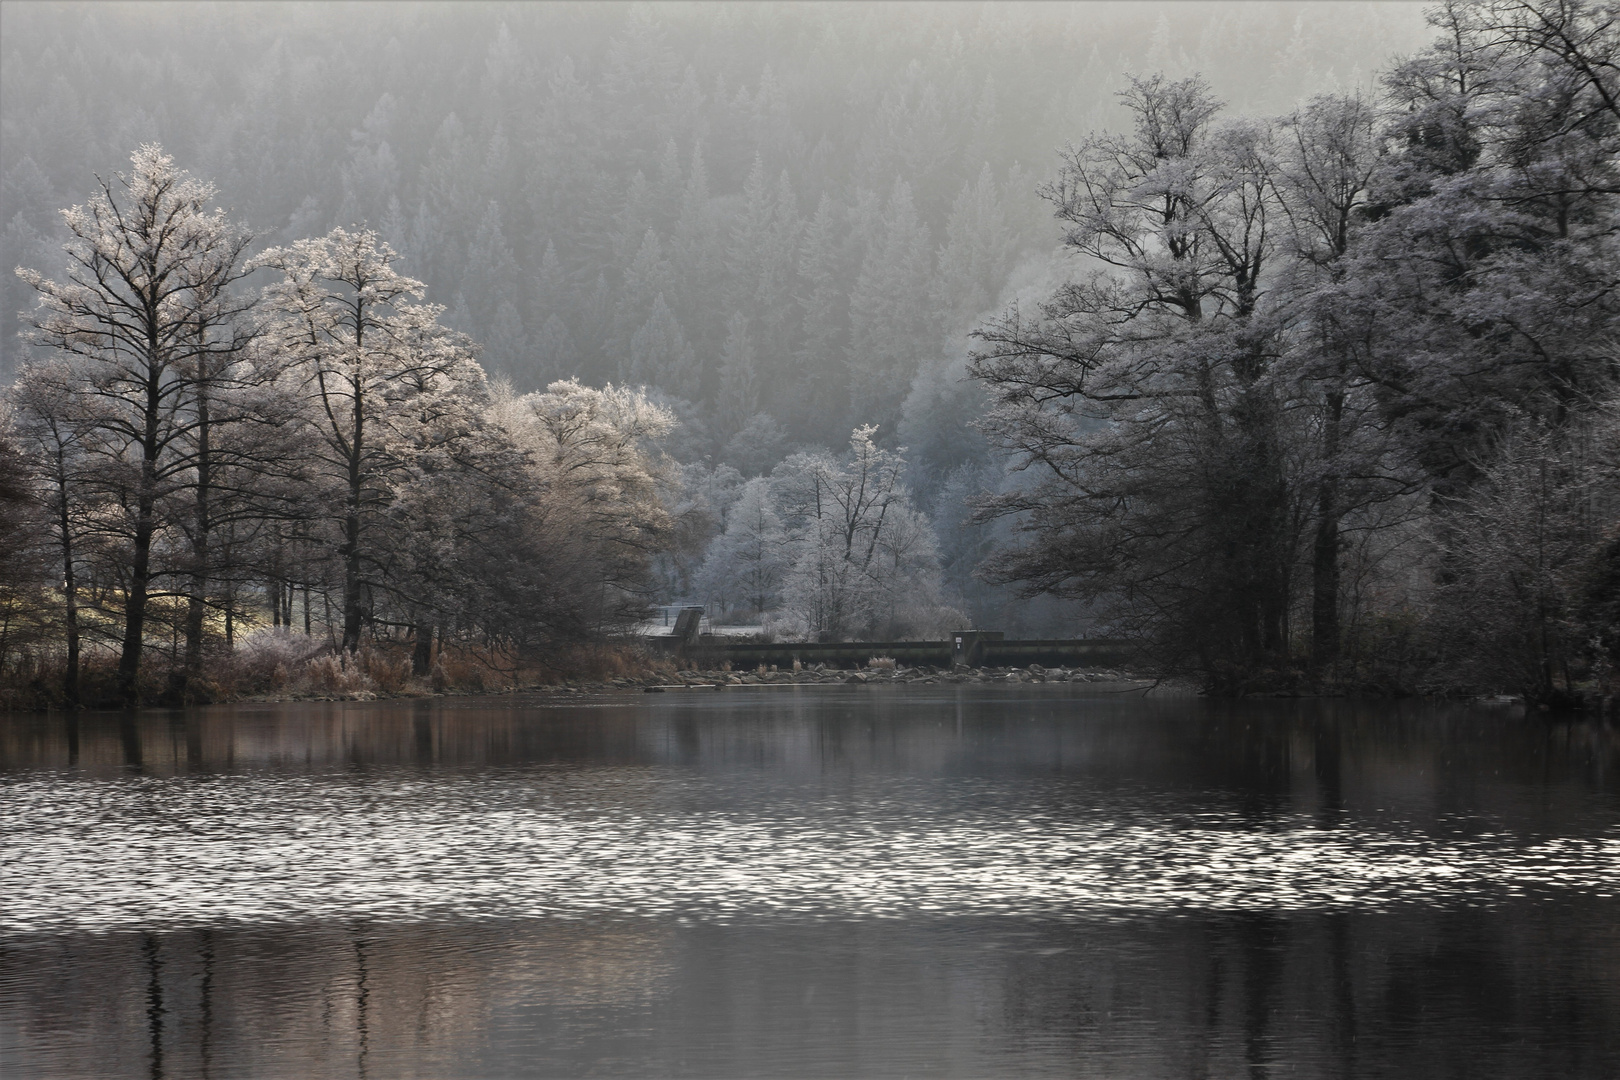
(823, 881)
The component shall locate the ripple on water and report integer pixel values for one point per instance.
(189, 851)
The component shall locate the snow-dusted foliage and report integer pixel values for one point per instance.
(1289, 397)
(831, 548)
(389, 389)
(746, 565)
(142, 320)
(594, 515)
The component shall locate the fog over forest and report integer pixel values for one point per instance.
(752, 244)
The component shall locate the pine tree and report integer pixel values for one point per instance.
(825, 317)
(490, 285)
(555, 355)
(891, 323)
(661, 356)
(976, 258)
(738, 397)
(696, 256)
(647, 276)
(746, 564)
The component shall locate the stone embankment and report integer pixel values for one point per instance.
(825, 676)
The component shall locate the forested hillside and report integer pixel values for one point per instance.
(856, 182)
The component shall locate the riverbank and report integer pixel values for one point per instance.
(272, 668)
(666, 679)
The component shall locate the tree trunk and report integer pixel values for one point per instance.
(70, 591)
(422, 654)
(351, 581)
(351, 534)
(1325, 551)
(1325, 579)
(196, 603)
(129, 657)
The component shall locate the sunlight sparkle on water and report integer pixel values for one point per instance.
(174, 852)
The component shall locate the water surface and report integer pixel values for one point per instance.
(872, 881)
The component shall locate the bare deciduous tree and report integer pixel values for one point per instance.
(146, 303)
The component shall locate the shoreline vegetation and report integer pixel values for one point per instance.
(281, 668)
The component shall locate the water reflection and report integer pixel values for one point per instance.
(796, 884)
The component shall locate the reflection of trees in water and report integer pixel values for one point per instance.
(312, 1001)
(1461, 992)
(1261, 759)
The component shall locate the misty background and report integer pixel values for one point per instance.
(782, 219)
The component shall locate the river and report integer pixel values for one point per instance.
(1040, 880)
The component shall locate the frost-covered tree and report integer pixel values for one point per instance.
(661, 356)
(762, 257)
(746, 564)
(554, 354)
(824, 307)
(1490, 265)
(698, 499)
(595, 517)
(1144, 395)
(370, 361)
(977, 255)
(1521, 549)
(891, 320)
(864, 559)
(647, 277)
(491, 285)
(757, 446)
(54, 470)
(146, 303)
(1326, 158)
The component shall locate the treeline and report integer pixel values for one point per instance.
(782, 219)
(1333, 397)
(322, 454)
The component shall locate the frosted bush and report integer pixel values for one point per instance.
(928, 621)
(272, 657)
(785, 626)
(270, 646)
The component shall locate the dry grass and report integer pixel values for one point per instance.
(278, 662)
(602, 662)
